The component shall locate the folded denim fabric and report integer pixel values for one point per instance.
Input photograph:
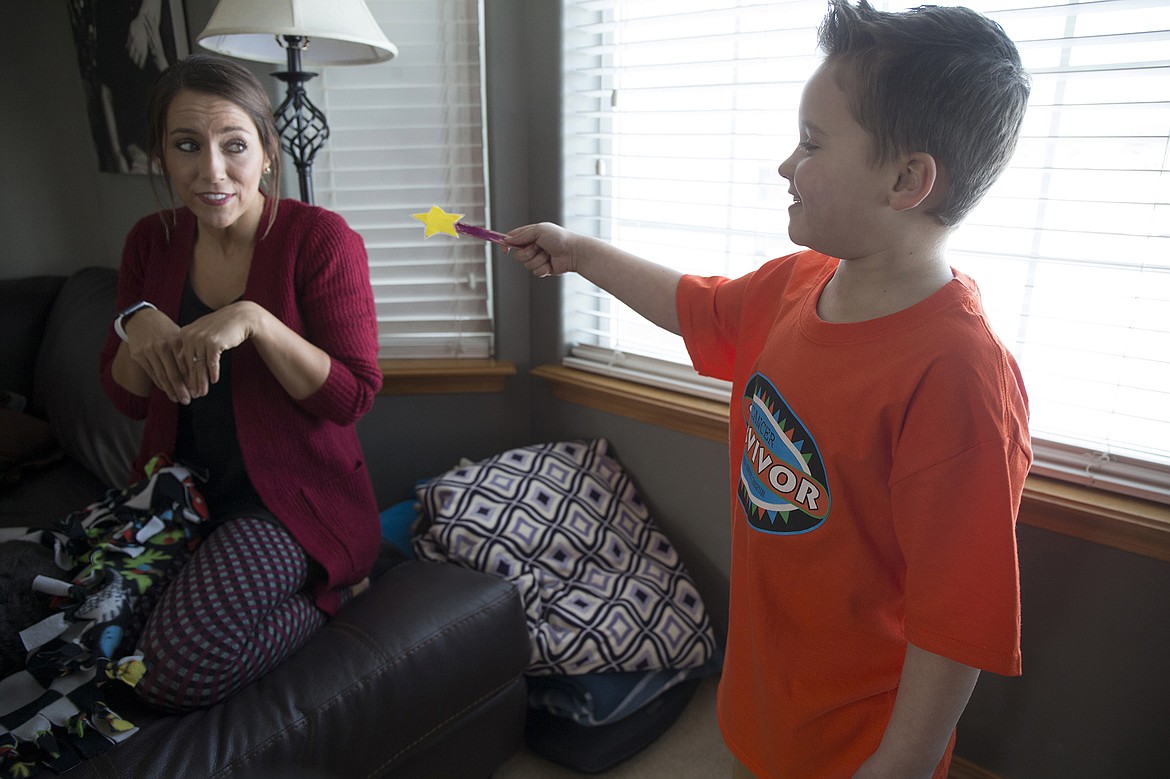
(602, 698)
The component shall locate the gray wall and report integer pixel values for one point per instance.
(1093, 700)
(57, 213)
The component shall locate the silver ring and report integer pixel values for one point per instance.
(197, 359)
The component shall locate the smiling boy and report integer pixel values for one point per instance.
(879, 439)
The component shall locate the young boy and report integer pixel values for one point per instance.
(879, 437)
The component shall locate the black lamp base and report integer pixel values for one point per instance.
(301, 124)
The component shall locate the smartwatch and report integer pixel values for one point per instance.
(128, 312)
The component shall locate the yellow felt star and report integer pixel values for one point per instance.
(438, 221)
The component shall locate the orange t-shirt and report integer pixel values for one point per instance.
(876, 472)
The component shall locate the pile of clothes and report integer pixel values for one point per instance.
(617, 625)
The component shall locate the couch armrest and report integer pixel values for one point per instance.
(24, 307)
(381, 683)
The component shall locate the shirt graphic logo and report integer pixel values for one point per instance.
(782, 485)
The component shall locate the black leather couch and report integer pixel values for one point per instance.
(421, 676)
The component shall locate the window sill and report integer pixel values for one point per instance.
(431, 377)
(1122, 522)
(664, 408)
(1130, 524)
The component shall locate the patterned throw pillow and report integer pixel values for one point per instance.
(603, 588)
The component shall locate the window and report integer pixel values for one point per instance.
(678, 112)
(405, 135)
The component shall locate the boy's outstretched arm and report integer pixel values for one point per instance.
(547, 249)
(932, 694)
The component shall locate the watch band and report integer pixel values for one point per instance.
(128, 312)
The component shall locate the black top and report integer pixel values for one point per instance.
(206, 439)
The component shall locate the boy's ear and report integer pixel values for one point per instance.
(917, 177)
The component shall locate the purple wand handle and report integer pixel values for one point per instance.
(482, 233)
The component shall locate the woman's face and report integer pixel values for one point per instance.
(213, 153)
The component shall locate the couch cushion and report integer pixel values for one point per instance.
(67, 382)
(418, 677)
(24, 306)
(45, 497)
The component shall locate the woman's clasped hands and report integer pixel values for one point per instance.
(184, 362)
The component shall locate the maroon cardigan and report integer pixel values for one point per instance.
(303, 457)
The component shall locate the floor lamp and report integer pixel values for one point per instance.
(299, 32)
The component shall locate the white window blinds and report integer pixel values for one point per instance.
(677, 113)
(405, 135)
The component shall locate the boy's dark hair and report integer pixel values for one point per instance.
(223, 78)
(944, 81)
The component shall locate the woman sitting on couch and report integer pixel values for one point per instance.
(246, 339)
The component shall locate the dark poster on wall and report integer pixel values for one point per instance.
(122, 46)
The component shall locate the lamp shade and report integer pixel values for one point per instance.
(340, 32)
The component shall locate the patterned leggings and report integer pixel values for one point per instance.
(231, 614)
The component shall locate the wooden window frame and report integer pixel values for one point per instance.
(443, 377)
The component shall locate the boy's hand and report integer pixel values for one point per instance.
(650, 289)
(545, 249)
(932, 694)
